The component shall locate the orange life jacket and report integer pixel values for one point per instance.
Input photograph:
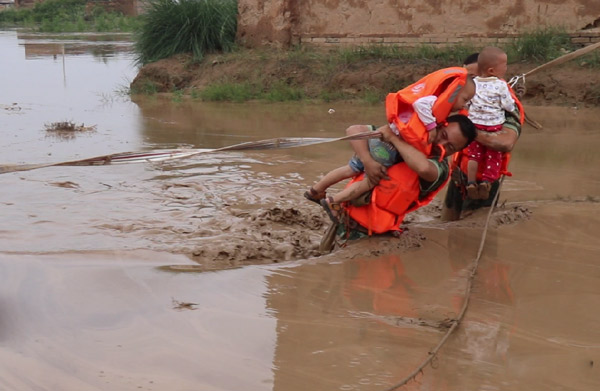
(391, 200)
(445, 83)
(461, 158)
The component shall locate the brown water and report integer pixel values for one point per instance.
(204, 273)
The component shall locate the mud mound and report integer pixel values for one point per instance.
(264, 236)
(501, 215)
(378, 245)
(284, 234)
(290, 216)
(510, 216)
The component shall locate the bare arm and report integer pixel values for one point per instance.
(503, 140)
(414, 158)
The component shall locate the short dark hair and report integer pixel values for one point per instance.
(467, 128)
(471, 59)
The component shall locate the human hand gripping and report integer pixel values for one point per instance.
(387, 134)
(375, 171)
(520, 90)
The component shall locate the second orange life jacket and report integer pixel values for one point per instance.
(445, 83)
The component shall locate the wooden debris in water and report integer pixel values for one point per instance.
(180, 305)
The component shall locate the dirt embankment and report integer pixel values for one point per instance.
(567, 84)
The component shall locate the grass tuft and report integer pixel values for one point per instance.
(540, 45)
(170, 27)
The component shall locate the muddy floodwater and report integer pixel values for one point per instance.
(204, 273)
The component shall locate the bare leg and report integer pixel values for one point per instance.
(472, 189)
(353, 191)
(333, 177)
(472, 167)
(361, 149)
(332, 204)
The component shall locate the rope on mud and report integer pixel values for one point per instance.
(455, 322)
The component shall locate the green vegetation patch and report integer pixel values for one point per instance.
(364, 72)
(170, 27)
(540, 45)
(66, 16)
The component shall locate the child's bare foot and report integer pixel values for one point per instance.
(314, 196)
(332, 208)
(472, 190)
(484, 190)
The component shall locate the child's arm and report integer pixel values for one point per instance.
(424, 109)
(414, 158)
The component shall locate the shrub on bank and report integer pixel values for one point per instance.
(170, 27)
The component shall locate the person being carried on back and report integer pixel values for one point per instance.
(417, 114)
(487, 111)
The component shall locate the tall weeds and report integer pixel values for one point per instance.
(186, 26)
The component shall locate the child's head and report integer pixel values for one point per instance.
(492, 61)
(456, 134)
(470, 64)
(465, 94)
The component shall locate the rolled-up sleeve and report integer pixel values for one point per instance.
(443, 172)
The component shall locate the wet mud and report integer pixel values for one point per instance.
(205, 273)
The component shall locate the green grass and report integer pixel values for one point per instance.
(539, 45)
(66, 16)
(232, 92)
(591, 60)
(170, 27)
(372, 96)
(147, 88)
(177, 96)
(324, 65)
(446, 56)
(282, 92)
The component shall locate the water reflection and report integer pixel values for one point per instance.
(100, 46)
(358, 324)
(75, 86)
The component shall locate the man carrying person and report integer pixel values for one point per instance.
(504, 140)
(418, 114)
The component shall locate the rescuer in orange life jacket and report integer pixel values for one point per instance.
(417, 168)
